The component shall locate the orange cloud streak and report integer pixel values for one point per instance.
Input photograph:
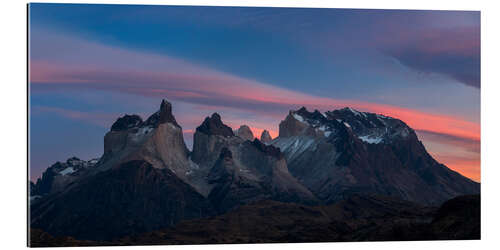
(469, 167)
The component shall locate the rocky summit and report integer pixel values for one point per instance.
(265, 137)
(347, 151)
(348, 170)
(245, 133)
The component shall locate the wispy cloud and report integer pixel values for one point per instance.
(238, 93)
(92, 66)
(458, 153)
(100, 119)
(469, 144)
(96, 66)
(452, 52)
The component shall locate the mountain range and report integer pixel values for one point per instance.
(148, 180)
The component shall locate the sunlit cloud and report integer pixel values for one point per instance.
(238, 93)
(99, 67)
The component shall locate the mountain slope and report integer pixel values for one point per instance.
(346, 151)
(240, 171)
(131, 198)
(158, 140)
(58, 176)
(357, 218)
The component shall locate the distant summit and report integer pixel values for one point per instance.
(265, 137)
(245, 133)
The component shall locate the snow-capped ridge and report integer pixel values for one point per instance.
(369, 127)
(371, 140)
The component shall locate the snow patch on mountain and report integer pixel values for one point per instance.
(355, 112)
(371, 140)
(299, 118)
(325, 130)
(68, 170)
(294, 146)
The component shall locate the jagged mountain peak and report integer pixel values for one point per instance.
(245, 133)
(163, 115)
(373, 128)
(368, 127)
(302, 109)
(126, 122)
(55, 177)
(306, 114)
(158, 140)
(265, 137)
(364, 152)
(213, 125)
(302, 122)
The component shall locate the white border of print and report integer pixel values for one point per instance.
(13, 124)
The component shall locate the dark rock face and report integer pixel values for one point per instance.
(164, 115)
(299, 123)
(263, 176)
(265, 137)
(291, 126)
(347, 151)
(159, 141)
(245, 133)
(210, 137)
(213, 126)
(43, 185)
(130, 199)
(267, 149)
(60, 174)
(241, 171)
(125, 122)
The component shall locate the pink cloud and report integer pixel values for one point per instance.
(119, 70)
(227, 90)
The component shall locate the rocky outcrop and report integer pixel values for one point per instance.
(265, 137)
(158, 140)
(58, 176)
(132, 198)
(252, 172)
(125, 122)
(162, 116)
(213, 126)
(209, 139)
(347, 151)
(245, 133)
(299, 123)
(241, 171)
